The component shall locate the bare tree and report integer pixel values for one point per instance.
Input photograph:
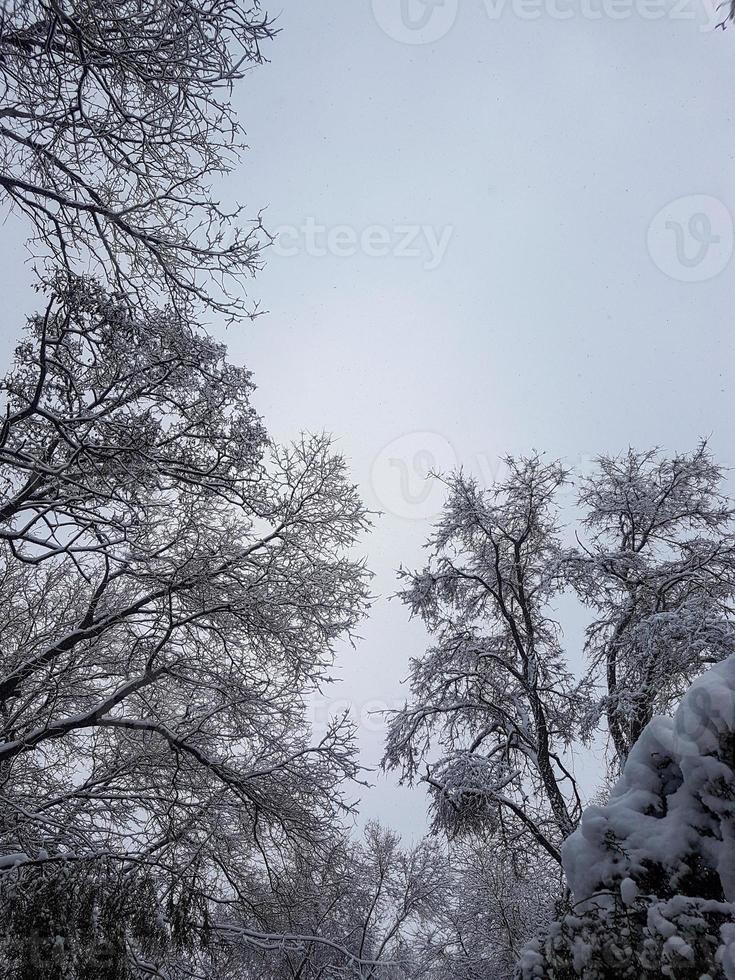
(114, 123)
(494, 689)
(361, 910)
(173, 586)
(659, 572)
(496, 901)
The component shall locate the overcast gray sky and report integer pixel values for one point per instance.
(502, 225)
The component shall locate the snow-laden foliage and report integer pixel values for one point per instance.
(652, 873)
(79, 922)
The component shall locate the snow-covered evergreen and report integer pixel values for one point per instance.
(652, 873)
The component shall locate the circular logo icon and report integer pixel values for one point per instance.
(415, 21)
(691, 239)
(401, 474)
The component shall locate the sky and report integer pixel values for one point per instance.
(501, 225)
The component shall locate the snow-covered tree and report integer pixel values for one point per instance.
(173, 585)
(494, 709)
(494, 690)
(658, 568)
(115, 121)
(652, 873)
(82, 922)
